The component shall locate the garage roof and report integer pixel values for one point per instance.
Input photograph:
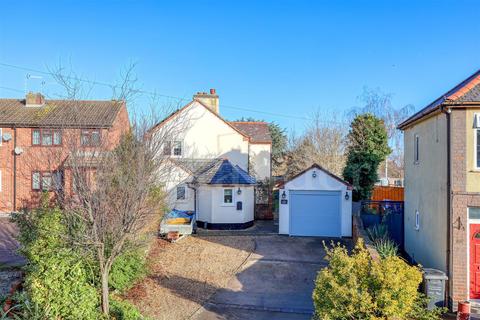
(317, 166)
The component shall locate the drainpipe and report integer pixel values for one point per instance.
(14, 169)
(447, 112)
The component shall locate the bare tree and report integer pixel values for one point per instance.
(112, 180)
(322, 143)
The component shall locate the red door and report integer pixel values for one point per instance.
(475, 261)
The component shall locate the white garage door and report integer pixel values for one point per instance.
(315, 213)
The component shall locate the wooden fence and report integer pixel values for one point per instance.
(387, 193)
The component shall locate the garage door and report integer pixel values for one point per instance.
(315, 213)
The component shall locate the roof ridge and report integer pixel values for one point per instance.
(259, 122)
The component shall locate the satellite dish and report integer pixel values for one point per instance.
(18, 151)
(7, 136)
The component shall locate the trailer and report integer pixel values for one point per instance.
(177, 224)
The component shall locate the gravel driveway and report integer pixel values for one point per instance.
(276, 282)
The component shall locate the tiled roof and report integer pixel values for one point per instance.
(468, 91)
(61, 113)
(227, 173)
(257, 131)
(214, 171)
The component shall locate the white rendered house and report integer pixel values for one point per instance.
(199, 139)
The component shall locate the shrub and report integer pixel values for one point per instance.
(377, 232)
(127, 268)
(57, 278)
(386, 248)
(357, 287)
(124, 310)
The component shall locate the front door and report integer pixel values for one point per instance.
(475, 261)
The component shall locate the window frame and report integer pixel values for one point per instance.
(89, 133)
(40, 137)
(228, 204)
(184, 193)
(170, 146)
(416, 149)
(42, 174)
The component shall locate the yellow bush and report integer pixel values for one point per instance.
(356, 287)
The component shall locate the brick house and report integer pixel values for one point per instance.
(37, 136)
(442, 188)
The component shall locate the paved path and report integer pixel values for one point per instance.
(8, 244)
(276, 282)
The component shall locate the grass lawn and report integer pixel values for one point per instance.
(185, 274)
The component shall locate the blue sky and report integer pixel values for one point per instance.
(286, 57)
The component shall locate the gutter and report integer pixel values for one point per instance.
(14, 169)
(447, 112)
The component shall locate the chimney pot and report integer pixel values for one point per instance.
(34, 99)
(212, 91)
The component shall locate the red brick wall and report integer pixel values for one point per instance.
(461, 200)
(37, 158)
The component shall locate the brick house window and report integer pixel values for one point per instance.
(46, 137)
(46, 181)
(416, 151)
(90, 138)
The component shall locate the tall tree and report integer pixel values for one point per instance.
(380, 104)
(367, 147)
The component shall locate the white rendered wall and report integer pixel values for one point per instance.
(260, 157)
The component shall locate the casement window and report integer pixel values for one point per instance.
(173, 148)
(417, 220)
(46, 137)
(416, 151)
(476, 127)
(90, 138)
(181, 193)
(46, 181)
(228, 196)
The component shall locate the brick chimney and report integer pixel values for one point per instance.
(34, 99)
(209, 99)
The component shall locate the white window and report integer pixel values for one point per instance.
(417, 220)
(228, 197)
(173, 148)
(177, 148)
(181, 193)
(476, 127)
(416, 151)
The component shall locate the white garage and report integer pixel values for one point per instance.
(315, 203)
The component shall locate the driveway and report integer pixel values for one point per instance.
(8, 244)
(275, 282)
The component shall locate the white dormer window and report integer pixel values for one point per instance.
(173, 148)
(476, 127)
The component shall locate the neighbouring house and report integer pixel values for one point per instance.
(36, 137)
(315, 202)
(214, 164)
(442, 188)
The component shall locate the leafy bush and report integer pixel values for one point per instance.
(57, 278)
(377, 232)
(127, 268)
(124, 310)
(386, 248)
(357, 287)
